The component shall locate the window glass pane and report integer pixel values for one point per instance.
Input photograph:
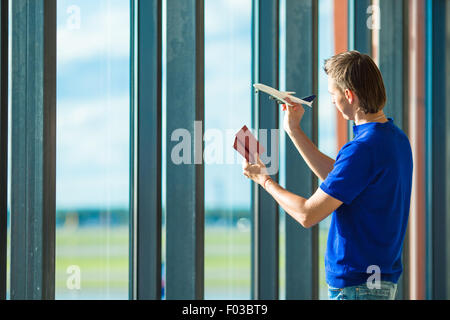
(92, 149)
(227, 108)
(327, 120)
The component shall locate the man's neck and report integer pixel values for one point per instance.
(362, 118)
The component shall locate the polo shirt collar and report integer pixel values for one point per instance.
(358, 129)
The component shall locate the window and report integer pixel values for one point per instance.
(93, 140)
(92, 149)
(327, 120)
(227, 108)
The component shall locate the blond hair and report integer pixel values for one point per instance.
(358, 72)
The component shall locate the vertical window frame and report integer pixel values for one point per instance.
(4, 60)
(145, 150)
(33, 181)
(302, 245)
(265, 217)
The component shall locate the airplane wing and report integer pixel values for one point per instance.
(305, 101)
(280, 96)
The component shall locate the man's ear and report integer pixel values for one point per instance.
(349, 96)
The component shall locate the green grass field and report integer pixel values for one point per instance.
(101, 254)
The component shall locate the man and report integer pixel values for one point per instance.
(367, 189)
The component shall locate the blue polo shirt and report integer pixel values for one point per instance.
(372, 176)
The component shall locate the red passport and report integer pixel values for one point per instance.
(247, 145)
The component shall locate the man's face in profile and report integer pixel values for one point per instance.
(341, 102)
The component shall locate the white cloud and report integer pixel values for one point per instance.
(93, 133)
(103, 34)
(224, 17)
(93, 152)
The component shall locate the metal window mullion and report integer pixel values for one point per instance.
(4, 21)
(132, 216)
(185, 182)
(392, 58)
(33, 182)
(146, 196)
(393, 64)
(301, 77)
(360, 36)
(436, 159)
(447, 150)
(265, 115)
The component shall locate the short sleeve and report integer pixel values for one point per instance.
(351, 173)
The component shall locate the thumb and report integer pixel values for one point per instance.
(258, 159)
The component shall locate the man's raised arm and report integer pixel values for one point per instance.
(317, 161)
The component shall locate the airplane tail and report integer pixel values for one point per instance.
(309, 99)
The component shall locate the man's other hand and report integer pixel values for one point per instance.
(256, 172)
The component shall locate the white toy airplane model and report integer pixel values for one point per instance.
(280, 96)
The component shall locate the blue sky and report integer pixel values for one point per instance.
(93, 103)
(93, 98)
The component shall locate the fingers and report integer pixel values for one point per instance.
(245, 164)
(293, 108)
(245, 167)
(258, 159)
(250, 170)
(245, 171)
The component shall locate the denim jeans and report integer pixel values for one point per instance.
(362, 292)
